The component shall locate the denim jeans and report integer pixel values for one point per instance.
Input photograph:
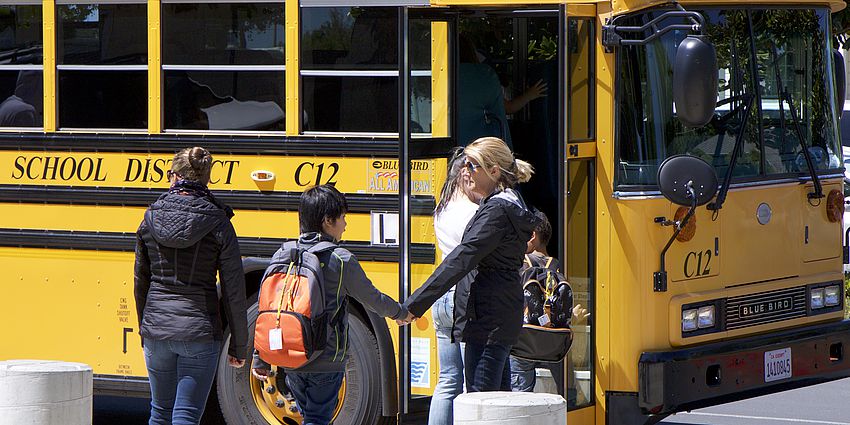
(450, 354)
(487, 367)
(524, 376)
(316, 395)
(181, 374)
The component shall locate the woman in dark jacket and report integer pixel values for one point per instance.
(185, 239)
(494, 242)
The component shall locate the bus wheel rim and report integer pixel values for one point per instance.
(275, 407)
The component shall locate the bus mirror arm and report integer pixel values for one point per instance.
(659, 278)
(612, 34)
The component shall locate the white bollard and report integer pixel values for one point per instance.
(510, 408)
(544, 382)
(42, 392)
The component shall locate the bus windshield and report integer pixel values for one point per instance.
(764, 56)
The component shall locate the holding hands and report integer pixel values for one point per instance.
(406, 320)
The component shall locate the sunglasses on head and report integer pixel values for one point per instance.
(470, 166)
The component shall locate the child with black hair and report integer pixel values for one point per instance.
(315, 386)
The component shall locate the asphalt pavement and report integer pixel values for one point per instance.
(824, 404)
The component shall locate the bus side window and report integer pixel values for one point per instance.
(224, 66)
(101, 60)
(21, 91)
(348, 86)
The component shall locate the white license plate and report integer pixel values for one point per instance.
(777, 365)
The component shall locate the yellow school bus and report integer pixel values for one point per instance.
(699, 291)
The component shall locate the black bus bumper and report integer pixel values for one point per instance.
(692, 378)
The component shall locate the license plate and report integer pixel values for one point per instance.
(777, 364)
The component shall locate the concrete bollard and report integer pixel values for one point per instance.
(510, 408)
(42, 392)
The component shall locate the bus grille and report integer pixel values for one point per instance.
(765, 307)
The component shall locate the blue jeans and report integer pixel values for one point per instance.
(487, 367)
(523, 375)
(316, 395)
(450, 354)
(181, 374)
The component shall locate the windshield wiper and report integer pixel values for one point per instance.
(748, 99)
(785, 96)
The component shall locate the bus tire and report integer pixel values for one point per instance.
(362, 399)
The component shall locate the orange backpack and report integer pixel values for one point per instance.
(291, 328)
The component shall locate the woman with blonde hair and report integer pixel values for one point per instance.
(494, 243)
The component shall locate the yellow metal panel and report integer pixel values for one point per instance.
(579, 10)
(696, 258)
(229, 172)
(89, 313)
(582, 150)
(293, 78)
(820, 237)
(248, 223)
(439, 79)
(604, 191)
(49, 61)
(154, 70)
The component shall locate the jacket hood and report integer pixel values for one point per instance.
(180, 221)
(519, 214)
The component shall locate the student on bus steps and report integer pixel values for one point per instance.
(185, 239)
(494, 242)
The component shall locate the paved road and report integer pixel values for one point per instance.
(825, 404)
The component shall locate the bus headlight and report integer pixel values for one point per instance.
(816, 298)
(705, 317)
(831, 296)
(689, 320)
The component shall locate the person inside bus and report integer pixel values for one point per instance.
(315, 386)
(494, 242)
(480, 101)
(24, 107)
(185, 239)
(453, 212)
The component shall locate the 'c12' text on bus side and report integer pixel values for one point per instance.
(92, 169)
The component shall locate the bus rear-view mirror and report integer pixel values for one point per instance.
(695, 81)
(687, 180)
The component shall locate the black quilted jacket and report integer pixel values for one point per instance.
(494, 244)
(182, 243)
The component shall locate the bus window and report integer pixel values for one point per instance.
(339, 76)
(224, 66)
(790, 61)
(102, 65)
(21, 81)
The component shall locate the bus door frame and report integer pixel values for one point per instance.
(573, 152)
(410, 149)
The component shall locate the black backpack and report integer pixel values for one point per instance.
(548, 308)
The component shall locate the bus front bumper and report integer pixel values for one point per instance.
(692, 378)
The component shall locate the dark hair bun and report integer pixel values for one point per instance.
(199, 158)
